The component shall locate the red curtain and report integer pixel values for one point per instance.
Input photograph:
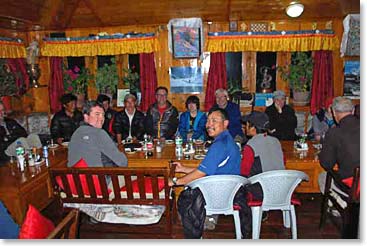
(217, 77)
(18, 67)
(56, 85)
(322, 80)
(148, 80)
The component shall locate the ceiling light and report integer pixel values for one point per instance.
(294, 9)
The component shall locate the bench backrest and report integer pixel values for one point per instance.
(116, 185)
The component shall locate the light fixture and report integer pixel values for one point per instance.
(294, 9)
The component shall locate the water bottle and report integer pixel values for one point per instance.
(158, 147)
(179, 148)
(45, 154)
(190, 145)
(19, 149)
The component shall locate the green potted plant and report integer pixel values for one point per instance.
(298, 74)
(8, 86)
(76, 80)
(107, 78)
(131, 79)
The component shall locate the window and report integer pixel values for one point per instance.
(134, 65)
(266, 72)
(234, 71)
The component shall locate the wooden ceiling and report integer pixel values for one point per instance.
(27, 15)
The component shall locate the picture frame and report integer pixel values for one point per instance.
(186, 42)
(187, 80)
(233, 26)
(121, 93)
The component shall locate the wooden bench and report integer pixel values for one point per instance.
(67, 228)
(117, 186)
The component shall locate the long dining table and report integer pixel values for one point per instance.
(32, 186)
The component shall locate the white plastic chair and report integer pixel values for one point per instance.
(219, 192)
(278, 187)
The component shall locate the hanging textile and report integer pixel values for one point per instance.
(18, 68)
(148, 80)
(56, 86)
(100, 45)
(217, 77)
(322, 80)
(272, 41)
(350, 44)
(12, 48)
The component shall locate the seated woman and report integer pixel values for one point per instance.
(323, 120)
(192, 122)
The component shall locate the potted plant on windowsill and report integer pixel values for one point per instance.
(107, 78)
(76, 82)
(298, 74)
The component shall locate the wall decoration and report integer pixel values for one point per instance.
(186, 80)
(233, 26)
(352, 79)
(266, 72)
(186, 42)
(121, 93)
(185, 37)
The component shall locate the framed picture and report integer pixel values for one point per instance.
(233, 26)
(186, 80)
(186, 42)
(352, 79)
(121, 93)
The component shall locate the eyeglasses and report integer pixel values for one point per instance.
(219, 97)
(214, 120)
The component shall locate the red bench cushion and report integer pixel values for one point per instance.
(148, 185)
(83, 180)
(35, 225)
(255, 203)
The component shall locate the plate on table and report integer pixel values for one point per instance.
(128, 151)
(65, 144)
(53, 146)
(169, 141)
(199, 157)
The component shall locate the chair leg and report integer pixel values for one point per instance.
(237, 223)
(286, 218)
(256, 222)
(293, 222)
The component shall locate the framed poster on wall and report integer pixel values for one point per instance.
(186, 42)
(352, 79)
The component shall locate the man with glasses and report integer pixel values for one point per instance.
(233, 111)
(162, 117)
(92, 143)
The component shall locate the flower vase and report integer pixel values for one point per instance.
(301, 98)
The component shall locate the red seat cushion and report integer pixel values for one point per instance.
(83, 180)
(35, 225)
(148, 185)
(255, 203)
(349, 182)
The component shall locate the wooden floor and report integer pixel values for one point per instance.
(308, 215)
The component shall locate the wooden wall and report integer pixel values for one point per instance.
(37, 99)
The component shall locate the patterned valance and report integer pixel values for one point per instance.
(272, 41)
(12, 48)
(100, 45)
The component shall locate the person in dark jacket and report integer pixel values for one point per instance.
(233, 111)
(341, 145)
(129, 123)
(283, 120)
(10, 130)
(67, 120)
(162, 117)
(109, 114)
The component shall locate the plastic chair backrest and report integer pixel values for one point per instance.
(278, 186)
(219, 191)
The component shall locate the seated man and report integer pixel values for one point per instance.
(262, 152)
(92, 143)
(193, 121)
(162, 117)
(67, 120)
(10, 130)
(233, 111)
(129, 123)
(283, 120)
(109, 114)
(341, 145)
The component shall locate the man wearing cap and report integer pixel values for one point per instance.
(283, 120)
(262, 152)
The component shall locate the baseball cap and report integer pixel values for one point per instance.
(258, 119)
(278, 94)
